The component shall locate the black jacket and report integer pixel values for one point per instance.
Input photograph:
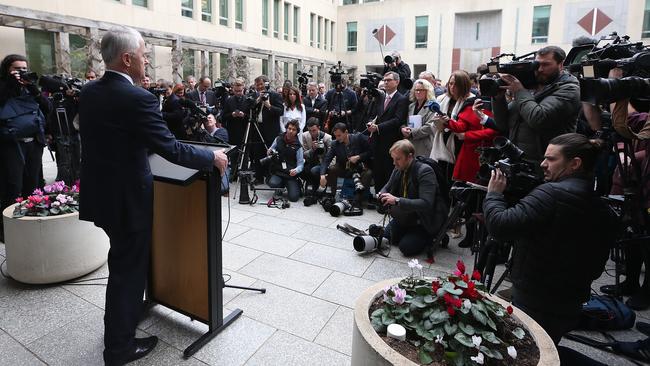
(270, 126)
(561, 233)
(236, 126)
(120, 125)
(317, 103)
(210, 98)
(404, 71)
(358, 145)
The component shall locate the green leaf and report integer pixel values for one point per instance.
(408, 318)
(429, 347)
(423, 333)
(430, 299)
(438, 317)
(466, 328)
(424, 357)
(479, 305)
(490, 337)
(441, 292)
(464, 340)
(451, 328)
(478, 315)
(428, 325)
(423, 290)
(491, 353)
(427, 312)
(461, 283)
(519, 333)
(454, 358)
(387, 319)
(456, 291)
(418, 302)
(491, 323)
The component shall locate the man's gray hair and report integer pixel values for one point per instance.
(117, 41)
(312, 83)
(424, 74)
(393, 74)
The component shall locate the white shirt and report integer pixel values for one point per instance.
(290, 114)
(126, 76)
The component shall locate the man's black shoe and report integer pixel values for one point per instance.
(141, 348)
(625, 289)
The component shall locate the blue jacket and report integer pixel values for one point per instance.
(120, 125)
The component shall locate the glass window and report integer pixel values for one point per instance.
(421, 31)
(187, 8)
(78, 55)
(327, 31)
(223, 12)
(296, 23)
(311, 29)
(286, 21)
(285, 70)
(39, 49)
(265, 17)
(320, 26)
(541, 17)
(239, 14)
(332, 33)
(265, 66)
(276, 18)
(223, 66)
(352, 36)
(142, 3)
(188, 63)
(645, 32)
(206, 10)
(370, 1)
(348, 2)
(211, 65)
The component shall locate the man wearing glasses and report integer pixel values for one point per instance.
(392, 112)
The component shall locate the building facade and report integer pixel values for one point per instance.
(228, 38)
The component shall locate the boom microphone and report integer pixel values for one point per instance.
(433, 106)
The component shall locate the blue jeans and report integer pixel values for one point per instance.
(292, 185)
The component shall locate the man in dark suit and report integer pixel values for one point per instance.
(202, 94)
(315, 105)
(235, 113)
(392, 112)
(341, 102)
(120, 125)
(269, 120)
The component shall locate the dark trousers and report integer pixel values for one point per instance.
(382, 167)
(128, 266)
(411, 240)
(20, 167)
(68, 159)
(292, 184)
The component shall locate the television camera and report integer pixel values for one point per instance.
(194, 120)
(336, 75)
(522, 67)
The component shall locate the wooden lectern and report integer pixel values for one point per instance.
(186, 263)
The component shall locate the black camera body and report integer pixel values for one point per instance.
(303, 77)
(373, 241)
(157, 91)
(59, 86)
(523, 70)
(336, 74)
(221, 89)
(369, 83)
(28, 76)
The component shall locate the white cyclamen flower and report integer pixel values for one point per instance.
(512, 352)
(438, 338)
(467, 304)
(478, 359)
(476, 340)
(413, 263)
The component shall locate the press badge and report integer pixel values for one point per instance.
(284, 165)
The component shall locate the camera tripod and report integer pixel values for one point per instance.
(65, 146)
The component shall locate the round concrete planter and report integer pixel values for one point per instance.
(369, 349)
(52, 249)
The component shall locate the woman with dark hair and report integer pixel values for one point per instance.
(290, 161)
(172, 111)
(293, 109)
(22, 131)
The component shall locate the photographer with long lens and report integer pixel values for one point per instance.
(269, 108)
(394, 62)
(22, 127)
(315, 145)
(286, 161)
(535, 116)
(352, 153)
(415, 202)
(561, 233)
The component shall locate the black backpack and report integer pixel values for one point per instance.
(443, 184)
(20, 117)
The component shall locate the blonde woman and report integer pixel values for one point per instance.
(420, 133)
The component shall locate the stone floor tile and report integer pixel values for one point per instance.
(326, 236)
(337, 333)
(258, 208)
(287, 273)
(166, 355)
(360, 222)
(237, 256)
(92, 291)
(342, 289)
(14, 353)
(273, 224)
(287, 350)
(236, 279)
(285, 309)
(269, 242)
(177, 330)
(80, 342)
(236, 215)
(314, 215)
(2, 249)
(156, 313)
(382, 269)
(233, 230)
(336, 259)
(29, 312)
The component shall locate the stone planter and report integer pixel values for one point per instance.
(369, 349)
(52, 249)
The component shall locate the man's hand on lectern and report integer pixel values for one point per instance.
(220, 161)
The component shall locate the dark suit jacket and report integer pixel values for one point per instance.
(391, 119)
(210, 98)
(236, 126)
(120, 125)
(358, 145)
(318, 103)
(270, 126)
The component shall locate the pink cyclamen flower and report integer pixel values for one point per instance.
(62, 198)
(37, 192)
(400, 295)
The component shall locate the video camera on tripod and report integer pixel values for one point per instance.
(193, 122)
(369, 84)
(336, 75)
(508, 158)
(522, 67)
(60, 86)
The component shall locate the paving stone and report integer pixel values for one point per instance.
(360, 222)
(14, 353)
(257, 208)
(326, 236)
(237, 256)
(29, 312)
(236, 215)
(337, 333)
(233, 231)
(236, 279)
(156, 313)
(287, 350)
(273, 224)
(2, 249)
(80, 342)
(166, 355)
(382, 269)
(92, 291)
(177, 329)
(342, 289)
(287, 273)
(268, 242)
(336, 259)
(313, 215)
(285, 309)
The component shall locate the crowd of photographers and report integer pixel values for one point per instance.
(514, 134)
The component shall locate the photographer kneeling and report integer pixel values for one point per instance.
(561, 233)
(288, 163)
(415, 204)
(315, 144)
